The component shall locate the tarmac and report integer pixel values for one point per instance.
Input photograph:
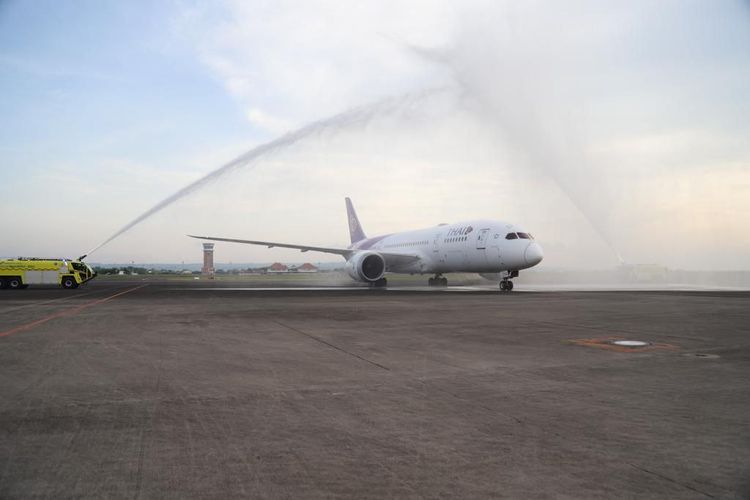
(151, 389)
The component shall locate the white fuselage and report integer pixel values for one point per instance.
(478, 246)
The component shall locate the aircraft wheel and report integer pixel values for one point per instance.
(380, 283)
(504, 286)
(437, 281)
(510, 286)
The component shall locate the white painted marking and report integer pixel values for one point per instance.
(630, 343)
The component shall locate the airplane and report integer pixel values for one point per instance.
(491, 248)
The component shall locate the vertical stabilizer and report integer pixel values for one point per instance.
(355, 228)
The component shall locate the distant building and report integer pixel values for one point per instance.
(278, 267)
(307, 268)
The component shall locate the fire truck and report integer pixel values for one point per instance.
(24, 271)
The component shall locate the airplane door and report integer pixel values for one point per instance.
(438, 258)
(493, 256)
(482, 239)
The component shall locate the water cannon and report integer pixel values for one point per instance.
(82, 257)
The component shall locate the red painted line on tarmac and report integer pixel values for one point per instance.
(66, 312)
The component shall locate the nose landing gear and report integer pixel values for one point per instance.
(438, 280)
(506, 285)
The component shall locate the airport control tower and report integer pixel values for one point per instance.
(208, 260)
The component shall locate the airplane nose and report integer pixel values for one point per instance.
(533, 254)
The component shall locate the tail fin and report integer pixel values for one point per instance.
(355, 229)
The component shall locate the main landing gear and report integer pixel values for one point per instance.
(438, 280)
(382, 282)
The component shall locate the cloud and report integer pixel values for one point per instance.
(580, 104)
(294, 62)
(267, 122)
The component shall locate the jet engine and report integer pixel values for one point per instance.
(366, 266)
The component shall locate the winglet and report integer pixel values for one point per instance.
(355, 228)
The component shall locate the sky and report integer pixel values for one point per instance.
(611, 130)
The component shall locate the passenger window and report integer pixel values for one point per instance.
(523, 235)
(511, 236)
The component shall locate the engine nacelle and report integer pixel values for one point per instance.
(366, 266)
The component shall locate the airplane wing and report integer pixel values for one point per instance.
(393, 260)
(345, 252)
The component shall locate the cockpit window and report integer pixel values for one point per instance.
(523, 236)
(511, 236)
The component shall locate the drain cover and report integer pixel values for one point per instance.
(630, 343)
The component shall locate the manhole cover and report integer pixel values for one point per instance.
(630, 343)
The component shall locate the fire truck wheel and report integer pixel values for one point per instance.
(14, 283)
(69, 283)
(3, 284)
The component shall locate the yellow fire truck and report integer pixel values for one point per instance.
(24, 271)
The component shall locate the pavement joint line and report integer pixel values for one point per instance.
(666, 478)
(66, 312)
(61, 299)
(333, 346)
